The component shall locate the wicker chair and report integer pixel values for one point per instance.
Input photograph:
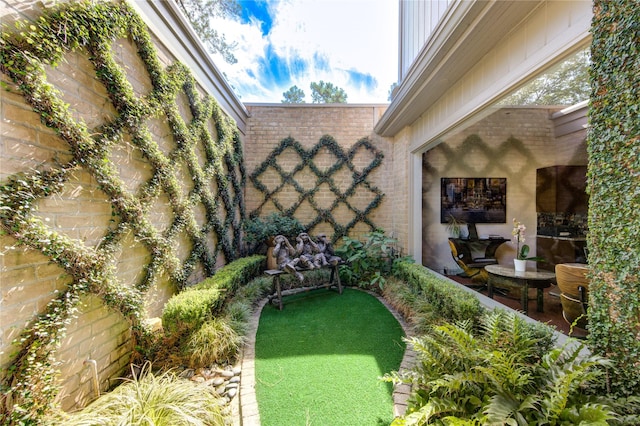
(574, 292)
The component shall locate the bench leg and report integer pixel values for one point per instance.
(276, 283)
(334, 278)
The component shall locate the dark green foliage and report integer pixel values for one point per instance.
(368, 262)
(359, 182)
(259, 230)
(507, 373)
(294, 95)
(450, 302)
(327, 93)
(614, 186)
(187, 311)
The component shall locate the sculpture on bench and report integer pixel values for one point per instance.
(283, 252)
(308, 251)
(326, 251)
(306, 255)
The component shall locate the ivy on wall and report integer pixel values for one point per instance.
(614, 184)
(344, 159)
(92, 28)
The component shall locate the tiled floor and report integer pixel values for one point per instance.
(552, 308)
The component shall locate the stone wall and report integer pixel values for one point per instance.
(511, 142)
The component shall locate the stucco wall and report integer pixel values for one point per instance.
(511, 143)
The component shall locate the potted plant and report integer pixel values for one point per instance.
(455, 227)
(522, 253)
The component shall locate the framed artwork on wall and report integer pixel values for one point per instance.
(473, 200)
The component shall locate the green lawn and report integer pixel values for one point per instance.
(319, 360)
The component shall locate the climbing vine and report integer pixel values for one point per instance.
(93, 28)
(614, 185)
(344, 159)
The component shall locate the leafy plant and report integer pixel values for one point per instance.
(454, 226)
(259, 230)
(149, 399)
(368, 263)
(506, 373)
(522, 253)
(215, 342)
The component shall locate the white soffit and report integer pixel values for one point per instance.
(474, 35)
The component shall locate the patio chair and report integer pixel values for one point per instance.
(574, 292)
(473, 267)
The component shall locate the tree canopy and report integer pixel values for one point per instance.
(199, 14)
(321, 93)
(294, 95)
(327, 93)
(567, 84)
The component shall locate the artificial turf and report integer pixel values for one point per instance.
(319, 360)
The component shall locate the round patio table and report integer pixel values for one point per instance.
(531, 278)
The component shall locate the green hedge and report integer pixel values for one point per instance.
(188, 310)
(614, 187)
(452, 303)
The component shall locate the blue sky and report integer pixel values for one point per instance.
(281, 43)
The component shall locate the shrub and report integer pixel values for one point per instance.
(187, 311)
(450, 302)
(506, 374)
(215, 342)
(259, 230)
(235, 274)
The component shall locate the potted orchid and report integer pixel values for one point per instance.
(522, 253)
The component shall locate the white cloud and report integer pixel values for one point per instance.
(352, 35)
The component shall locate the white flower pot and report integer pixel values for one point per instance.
(520, 265)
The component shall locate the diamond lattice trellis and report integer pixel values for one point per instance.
(290, 194)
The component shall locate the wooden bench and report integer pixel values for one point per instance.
(276, 289)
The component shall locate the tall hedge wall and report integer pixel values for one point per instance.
(614, 185)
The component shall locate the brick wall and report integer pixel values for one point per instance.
(307, 124)
(83, 213)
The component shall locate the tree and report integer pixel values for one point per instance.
(327, 93)
(294, 95)
(566, 85)
(200, 12)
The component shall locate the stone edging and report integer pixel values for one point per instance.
(248, 410)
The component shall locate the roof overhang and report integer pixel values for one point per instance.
(170, 26)
(466, 33)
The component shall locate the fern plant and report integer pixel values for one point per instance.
(368, 263)
(506, 373)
